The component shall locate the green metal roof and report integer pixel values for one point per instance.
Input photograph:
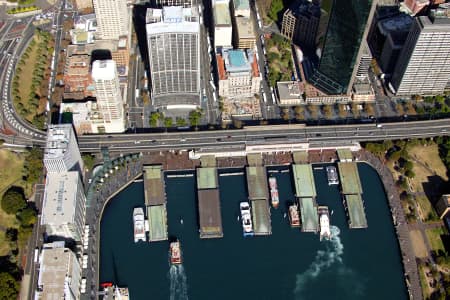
(304, 180)
(157, 221)
(206, 178)
(257, 183)
(308, 213)
(261, 217)
(350, 182)
(356, 214)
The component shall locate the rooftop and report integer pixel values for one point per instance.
(245, 28)
(241, 4)
(304, 180)
(207, 178)
(236, 61)
(222, 14)
(261, 217)
(401, 22)
(356, 214)
(350, 182)
(257, 183)
(209, 213)
(60, 198)
(58, 138)
(104, 69)
(308, 213)
(289, 89)
(157, 221)
(77, 65)
(154, 185)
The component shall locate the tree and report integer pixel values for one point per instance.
(410, 174)
(168, 122)
(9, 287)
(154, 118)
(180, 122)
(194, 117)
(13, 200)
(313, 110)
(355, 109)
(327, 111)
(275, 8)
(33, 165)
(27, 217)
(11, 234)
(342, 111)
(88, 160)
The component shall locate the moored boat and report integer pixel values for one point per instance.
(246, 218)
(324, 222)
(274, 192)
(294, 216)
(139, 224)
(332, 175)
(175, 253)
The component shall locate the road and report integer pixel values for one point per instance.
(282, 134)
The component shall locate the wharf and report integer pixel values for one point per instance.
(257, 183)
(154, 185)
(210, 214)
(304, 181)
(157, 221)
(261, 217)
(308, 214)
(207, 178)
(354, 207)
(350, 182)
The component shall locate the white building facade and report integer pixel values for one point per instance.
(112, 18)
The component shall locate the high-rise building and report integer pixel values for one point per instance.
(223, 29)
(244, 33)
(108, 95)
(61, 152)
(301, 22)
(343, 48)
(64, 206)
(423, 67)
(112, 18)
(174, 56)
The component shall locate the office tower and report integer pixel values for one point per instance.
(423, 67)
(112, 18)
(364, 61)
(244, 33)
(301, 22)
(59, 273)
(64, 206)
(222, 24)
(174, 56)
(343, 47)
(61, 150)
(108, 95)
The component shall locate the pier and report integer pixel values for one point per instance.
(305, 191)
(155, 200)
(308, 214)
(210, 217)
(352, 190)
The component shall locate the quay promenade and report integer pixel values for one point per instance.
(401, 226)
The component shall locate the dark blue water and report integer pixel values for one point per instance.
(289, 264)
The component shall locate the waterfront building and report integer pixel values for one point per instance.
(61, 151)
(342, 48)
(64, 206)
(443, 206)
(245, 37)
(174, 56)
(239, 76)
(423, 67)
(112, 18)
(84, 29)
(108, 95)
(223, 29)
(301, 22)
(59, 273)
(241, 8)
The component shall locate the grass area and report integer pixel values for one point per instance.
(423, 282)
(11, 165)
(427, 211)
(279, 58)
(420, 250)
(6, 221)
(434, 237)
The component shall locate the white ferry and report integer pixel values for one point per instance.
(139, 224)
(332, 175)
(274, 192)
(246, 218)
(324, 221)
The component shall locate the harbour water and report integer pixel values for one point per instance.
(289, 264)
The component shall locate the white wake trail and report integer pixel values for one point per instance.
(178, 283)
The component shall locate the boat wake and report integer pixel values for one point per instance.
(178, 283)
(324, 260)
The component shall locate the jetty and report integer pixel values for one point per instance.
(305, 191)
(210, 218)
(155, 200)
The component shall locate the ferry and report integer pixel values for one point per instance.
(294, 217)
(246, 218)
(324, 221)
(175, 253)
(139, 225)
(274, 192)
(332, 175)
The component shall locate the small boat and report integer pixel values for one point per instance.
(106, 284)
(246, 218)
(294, 217)
(274, 192)
(139, 224)
(332, 175)
(324, 222)
(175, 253)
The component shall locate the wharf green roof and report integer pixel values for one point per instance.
(157, 221)
(345, 155)
(261, 217)
(257, 183)
(350, 182)
(300, 157)
(222, 14)
(207, 178)
(308, 213)
(304, 180)
(154, 185)
(355, 209)
(209, 214)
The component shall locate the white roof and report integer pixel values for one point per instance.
(104, 69)
(58, 138)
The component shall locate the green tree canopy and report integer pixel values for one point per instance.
(9, 287)
(13, 200)
(27, 217)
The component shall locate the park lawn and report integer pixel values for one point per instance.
(4, 244)
(426, 209)
(6, 221)
(434, 237)
(420, 250)
(11, 165)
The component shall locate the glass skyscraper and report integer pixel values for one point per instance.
(342, 43)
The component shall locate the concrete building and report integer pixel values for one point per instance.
(245, 37)
(423, 67)
(85, 116)
(173, 36)
(301, 22)
(61, 152)
(59, 273)
(64, 206)
(290, 93)
(112, 18)
(77, 77)
(85, 27)
(83, 4)
(121, 56)
(184, 3)
(362, 91)
(241, 8)
(391, 51)
(413, 7)
(239, 76)
(108, 95)
(443, 206)
(223, 29)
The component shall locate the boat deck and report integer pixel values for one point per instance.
(349, 178)
(257, 183)
(261, 217)
(308, 214)
(209, 214)
(355, 211)
(304, 181)
(157, 221)
(154, 185)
